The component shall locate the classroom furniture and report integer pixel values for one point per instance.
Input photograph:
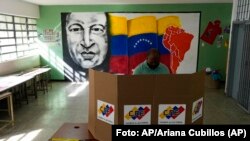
(8, 96)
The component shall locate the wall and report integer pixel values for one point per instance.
(209, 55)
(19, 8)
(234, 12)
(20, 64)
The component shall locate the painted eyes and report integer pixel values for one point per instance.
(75, 28)
(97, 29)
(94, 29)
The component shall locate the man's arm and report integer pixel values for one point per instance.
(137, 70)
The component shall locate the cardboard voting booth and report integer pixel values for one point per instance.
(143, 100)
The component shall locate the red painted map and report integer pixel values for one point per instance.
(178, 42)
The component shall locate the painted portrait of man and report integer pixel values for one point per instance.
(85, 42)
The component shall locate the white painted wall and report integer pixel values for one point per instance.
(18, 65)
(19, 8)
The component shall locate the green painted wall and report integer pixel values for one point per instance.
(209, 55)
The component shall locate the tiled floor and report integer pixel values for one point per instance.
(68, 102)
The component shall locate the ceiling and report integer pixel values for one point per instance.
(82, 2)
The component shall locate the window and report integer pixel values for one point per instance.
(18, 37)
(243, 10)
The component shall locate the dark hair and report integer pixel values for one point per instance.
(153, 50)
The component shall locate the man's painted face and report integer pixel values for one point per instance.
(87, 38)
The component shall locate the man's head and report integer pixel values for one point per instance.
(153, 58)
(87, 38)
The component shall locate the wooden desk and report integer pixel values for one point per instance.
(73, 132)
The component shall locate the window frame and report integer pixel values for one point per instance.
(25, 36)
(243, 10)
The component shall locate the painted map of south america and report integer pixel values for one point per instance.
(178, 42)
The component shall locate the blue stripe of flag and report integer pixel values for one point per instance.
(142, 43)
(119, 45)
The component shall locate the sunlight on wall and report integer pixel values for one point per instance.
(78, 90)
(55, 61)
(58, 63)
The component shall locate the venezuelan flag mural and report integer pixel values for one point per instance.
(118, 42)
(175, 35)
(118, 45)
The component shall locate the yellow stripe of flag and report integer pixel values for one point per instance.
(165, 22)
(143, 24)
(118, 25)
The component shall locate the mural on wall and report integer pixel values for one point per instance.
(175, 35)
(86, 43)
(212, 30)
(171, 41)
